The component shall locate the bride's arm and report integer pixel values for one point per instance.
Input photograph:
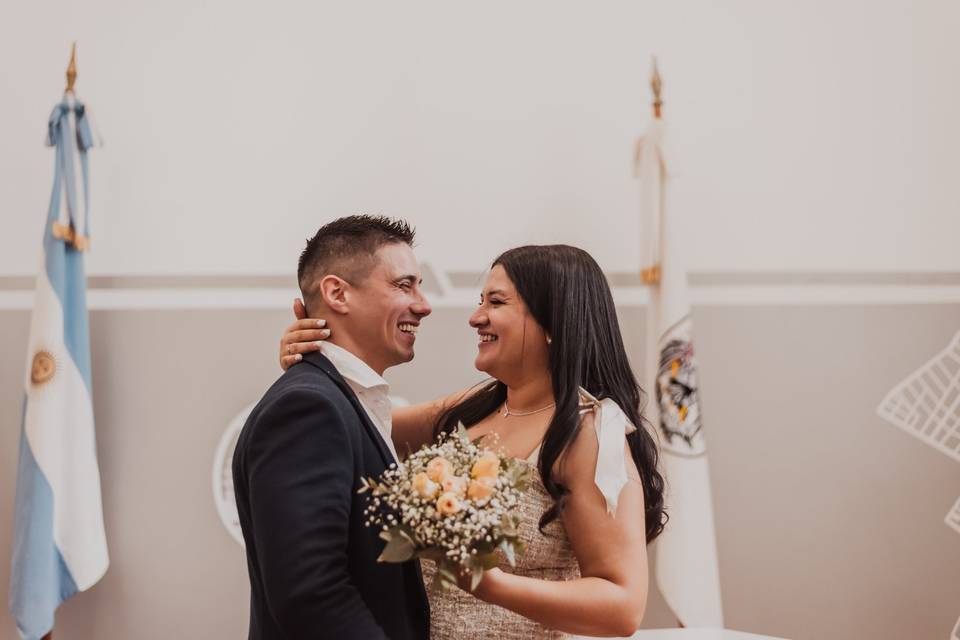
(610, 598)
(413, 425)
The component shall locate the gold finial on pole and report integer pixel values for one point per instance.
(650, 275)
(656, 83)
(72, 68)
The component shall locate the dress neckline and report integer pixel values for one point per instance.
(534, 455)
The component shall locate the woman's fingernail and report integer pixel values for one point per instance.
(325, 333)
(321, 323)
(298, 357)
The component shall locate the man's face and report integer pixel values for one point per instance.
(386, 308)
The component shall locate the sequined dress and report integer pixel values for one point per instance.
(457, 614)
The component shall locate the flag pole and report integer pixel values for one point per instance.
(79, 240)
(71, 81)
(656, 84)
(651, 275)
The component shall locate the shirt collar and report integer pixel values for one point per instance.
(352, 368)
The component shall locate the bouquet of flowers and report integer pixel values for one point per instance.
(455, 502)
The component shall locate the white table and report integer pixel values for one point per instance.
(695, 634)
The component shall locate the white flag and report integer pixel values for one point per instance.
(686, 570)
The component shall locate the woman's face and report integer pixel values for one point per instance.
(511, 345)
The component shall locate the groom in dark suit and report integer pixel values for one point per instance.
(316, 432)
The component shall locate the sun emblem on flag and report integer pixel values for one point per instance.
(678, 397)
(43, 368)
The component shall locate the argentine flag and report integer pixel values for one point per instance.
(59, 542)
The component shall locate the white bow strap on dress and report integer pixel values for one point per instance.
(612, 427)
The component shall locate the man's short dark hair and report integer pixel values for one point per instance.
(347, 248)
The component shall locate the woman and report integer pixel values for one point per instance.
(563, 398)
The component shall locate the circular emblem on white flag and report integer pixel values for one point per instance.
(43, 368)
(678, 393)
(223, 475)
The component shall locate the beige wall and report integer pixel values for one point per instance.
(793, 126)
(829, 520)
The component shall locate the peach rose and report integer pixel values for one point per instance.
(455, 485)
(448, 504)
(438, 469)
(487, 466)
(424, 486)
(482, 489)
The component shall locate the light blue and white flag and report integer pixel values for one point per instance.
(59, 545)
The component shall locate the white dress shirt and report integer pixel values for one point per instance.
(371, 389)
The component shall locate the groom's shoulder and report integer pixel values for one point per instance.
(298, 402)
(302, 410)
(307, 382)
(302, 387)
(304, 375)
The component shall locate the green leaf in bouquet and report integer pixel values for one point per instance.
(461, 434)
(397, 550)
(483, 547)
(400, 547)
(404, 530)
(369, 484)
(477, 564)
(476, 575)
(509, 526)
(507, 547)
(488, 560)
(525, 478)
(446, 576)
(439, 582)
(518, 475)
(512, 472)
(519, 546)
(432, 553)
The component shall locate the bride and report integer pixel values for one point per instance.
(563, 398)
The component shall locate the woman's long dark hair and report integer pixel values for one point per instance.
(568, 295)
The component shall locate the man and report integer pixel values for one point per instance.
(317, 431)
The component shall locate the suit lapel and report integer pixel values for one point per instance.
(323, 363)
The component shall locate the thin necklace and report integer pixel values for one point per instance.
(507, 413)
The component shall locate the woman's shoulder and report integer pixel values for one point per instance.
(578, 462)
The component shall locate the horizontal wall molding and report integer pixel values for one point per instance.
(457, 289)
(768, 278)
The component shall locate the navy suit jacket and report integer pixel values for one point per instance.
(312, 562)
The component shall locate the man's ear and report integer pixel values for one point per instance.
(334, 292)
